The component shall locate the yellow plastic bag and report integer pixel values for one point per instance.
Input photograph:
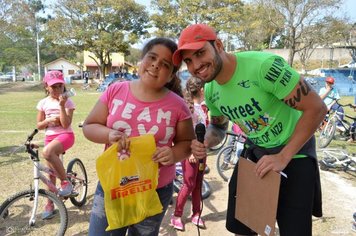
(129, 185)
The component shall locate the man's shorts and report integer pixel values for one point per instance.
(296, 195)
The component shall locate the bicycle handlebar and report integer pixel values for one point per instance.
(232, 133)
(30, 137)
(29, 146)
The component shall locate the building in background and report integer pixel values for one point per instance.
(63, 65)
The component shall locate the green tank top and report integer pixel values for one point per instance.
(253, 98)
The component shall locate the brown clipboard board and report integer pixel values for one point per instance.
(257, 198)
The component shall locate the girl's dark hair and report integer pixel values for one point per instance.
(174, 84)
(188, 99)
(193, 86)
(192, 90)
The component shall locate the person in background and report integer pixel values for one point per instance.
(86, 77)
(55, 115)
(277, 110)
(330, 95)
(192, 176)
(352, 138)
(152, 104)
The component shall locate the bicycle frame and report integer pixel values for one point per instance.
(334, 158)
(38, 168)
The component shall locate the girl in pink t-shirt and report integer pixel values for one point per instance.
(138, 107)
(55, 113)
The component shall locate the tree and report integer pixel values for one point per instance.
(253, 32)
(134, 56)
(308, 41)
(99, 26)
(17, 22)
(171, 17)
(235, 21)
(297, 15)
(346, 33)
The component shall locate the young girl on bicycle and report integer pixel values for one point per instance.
(55, 114)
(192, 177)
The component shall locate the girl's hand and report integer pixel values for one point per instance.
(164, 155)
(53, 121)
(119, 137)
(192, 159)
(62, 100)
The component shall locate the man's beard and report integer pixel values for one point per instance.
(217, 66)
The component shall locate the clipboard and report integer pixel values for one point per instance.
(257, 199)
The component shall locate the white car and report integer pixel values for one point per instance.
(5, 77)
(351, 64)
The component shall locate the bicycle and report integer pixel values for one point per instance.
(219, 145)
(328, 128)
(228, 156)
(337, 159)
(19, 213)
(86, 86)
(178, 182)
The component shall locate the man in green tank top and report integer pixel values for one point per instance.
(278, 111)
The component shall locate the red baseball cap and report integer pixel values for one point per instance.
(193, 37)
(53, 77)
(330, 80)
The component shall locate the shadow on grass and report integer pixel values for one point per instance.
(20, 87)
(13, 154)
(79, 217)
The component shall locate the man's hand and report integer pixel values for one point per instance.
(198, 149)
(276, 162)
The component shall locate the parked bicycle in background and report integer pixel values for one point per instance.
(329, 128)
(337, 159)
(228, 156)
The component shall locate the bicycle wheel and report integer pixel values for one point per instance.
(15, 214)
(226, 161)
(205, 188)
(78, 177)
(220, 145)
(327, 134)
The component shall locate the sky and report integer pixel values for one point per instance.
(349, 7)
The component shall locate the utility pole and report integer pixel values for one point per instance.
(38, 53)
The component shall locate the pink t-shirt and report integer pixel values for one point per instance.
(199, 115)
(135, 118)
(51, 108)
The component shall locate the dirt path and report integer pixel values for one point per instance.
(339, 203)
